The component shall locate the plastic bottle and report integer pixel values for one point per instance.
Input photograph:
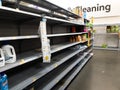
(79, 38)
(3, 82)
(9, 53)
(2, 58)
(73, 29)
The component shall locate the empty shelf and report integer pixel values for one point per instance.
(71, 75)
(65, 21)
(52, 7)
(108, 48)
(106, 24)
(39, 72)
(14, 14)
(40, 11)
(36, 36)
(88, 51)
(22, 59)
(59, 47)
(60, 74)
(65, 34)
(30, 56)
(18, 37)
(106, 34)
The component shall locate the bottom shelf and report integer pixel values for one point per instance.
(50, 80)
(109, 48)
(62, 85)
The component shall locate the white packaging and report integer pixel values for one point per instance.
(9, 53)
(2, 58)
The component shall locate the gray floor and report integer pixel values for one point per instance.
(101, 73)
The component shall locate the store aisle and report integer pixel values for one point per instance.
(101, 73)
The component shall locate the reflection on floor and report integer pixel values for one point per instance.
(101, 73)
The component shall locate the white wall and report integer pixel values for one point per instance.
(114, 12)
(115, 7)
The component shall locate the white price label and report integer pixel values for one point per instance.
(22, 61)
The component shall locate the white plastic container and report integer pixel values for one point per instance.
(9, 53)
(2, 58)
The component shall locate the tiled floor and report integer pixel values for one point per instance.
(101, 73)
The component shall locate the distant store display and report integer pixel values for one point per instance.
(112, 29)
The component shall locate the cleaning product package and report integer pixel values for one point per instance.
(3, 82)
(9, 53)
(2, 58)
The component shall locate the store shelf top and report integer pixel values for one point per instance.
(18, 37)
(52, 7)
(16, 14)
(106, 34)
(65, 34)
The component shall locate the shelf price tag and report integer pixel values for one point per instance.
(34, 79)
(44, 41)
(14, 38)
(55, 65)
(57, 81)
(22, 61)
(32, 88)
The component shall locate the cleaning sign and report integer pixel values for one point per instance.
(96, 8)
(100, 8)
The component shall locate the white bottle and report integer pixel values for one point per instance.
(9, 53)
(2, 58)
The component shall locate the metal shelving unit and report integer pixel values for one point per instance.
(40, 72)
(37, 36)
(111, 48)
(18, 37)
(50, 7)
(19, 27)
(62, 74)
(59, 75)
(9, 13)
(65, 34)
(106, 33)
(105, 24)
(62, 85)
(56, 77)
(110, 39)
(59, 47)
(32, 55)
(22, 59)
